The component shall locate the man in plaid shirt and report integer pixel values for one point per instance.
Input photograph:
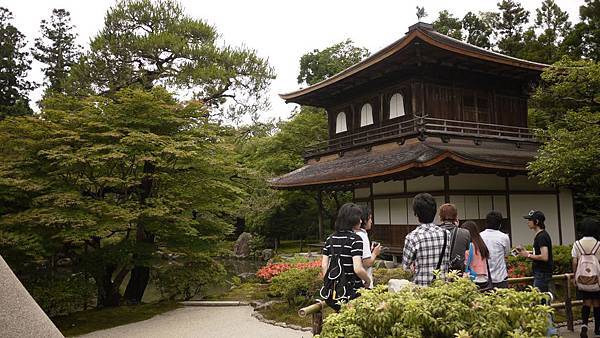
(423, 246)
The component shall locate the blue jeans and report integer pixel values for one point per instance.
(541, 280)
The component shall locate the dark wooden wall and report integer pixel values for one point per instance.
(437, 91)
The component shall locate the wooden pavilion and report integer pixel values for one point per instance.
(430, 113)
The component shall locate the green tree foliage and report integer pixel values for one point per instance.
(14, 65)
(568, 104)
(510, 24)
(320, 64)
(56, 49)
(281, 214)
(84, 166)
(478, 29)
(556, 25)
(144, 43)
(449, 25)
(584, 39)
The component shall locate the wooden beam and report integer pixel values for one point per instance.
(507, 189)
(560, 237)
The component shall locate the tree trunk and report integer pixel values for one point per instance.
(140, 275)
(108, 292)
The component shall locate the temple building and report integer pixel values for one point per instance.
(430, 113)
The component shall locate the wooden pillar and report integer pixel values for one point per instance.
(507, 193)
(320, 215)
(446, 188)
(371, 201)
(560, 237)
(381, 103)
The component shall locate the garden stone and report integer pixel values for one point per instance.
(282, 324)
(245, 276)
(294, 327)
(395, 285)
(308, 329)
(269, 321)
(267, 254)
(64, 262)
(242, 245)
(390, 265)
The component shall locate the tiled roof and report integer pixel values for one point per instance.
(363, 165)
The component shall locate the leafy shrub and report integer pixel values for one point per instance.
(186, 280)
(269, 271)
(297, 286)
(63, 295)
(561, 255)
(257, 245)
(382, 275)
(444, 310)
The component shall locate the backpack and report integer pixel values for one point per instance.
(588, 269)
(337, 287)
(457, 262)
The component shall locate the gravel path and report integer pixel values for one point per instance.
(231, 321)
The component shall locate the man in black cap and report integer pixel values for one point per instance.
(542, 251)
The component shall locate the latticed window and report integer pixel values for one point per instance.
(366, 115)
(396, 106)
(340, 123)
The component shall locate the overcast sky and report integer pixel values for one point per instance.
(279, 30)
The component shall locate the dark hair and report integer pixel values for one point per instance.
(365, 212)
(448, 212)
(539, 223)
(493, 220)
(348, 216)
(589, 227)
(424, 207)
(478, 242)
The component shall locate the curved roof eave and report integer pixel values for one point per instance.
(473, 51)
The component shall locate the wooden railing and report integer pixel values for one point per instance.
(422, 127)
(316, 309)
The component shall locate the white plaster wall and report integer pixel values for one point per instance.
(567, 216)
(425, 184)
(362, 192)
(476, 182)
(381, 213)
(500, 204)
(485, 205)
(399, 211)
(520, 205)
(459, 203)
(522, 182)
(390, 187)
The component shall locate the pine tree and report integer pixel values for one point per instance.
(510, 25)
(584, 39)
(448, 25)
(56, 49)
(145, 43)
(478, 30)
(555, 24)
(14, 65)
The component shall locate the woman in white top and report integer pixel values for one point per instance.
(370, 253)
(588, 244)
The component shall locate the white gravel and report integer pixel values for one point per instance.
(231, 321)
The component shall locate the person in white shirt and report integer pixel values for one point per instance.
(370, 252)
(588, 244)
(498, 245)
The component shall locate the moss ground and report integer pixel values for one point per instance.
(98, 319)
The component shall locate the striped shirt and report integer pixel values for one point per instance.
(347, 244)
(423, 248)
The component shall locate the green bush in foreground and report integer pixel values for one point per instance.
(443, 310)
(297, 286)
